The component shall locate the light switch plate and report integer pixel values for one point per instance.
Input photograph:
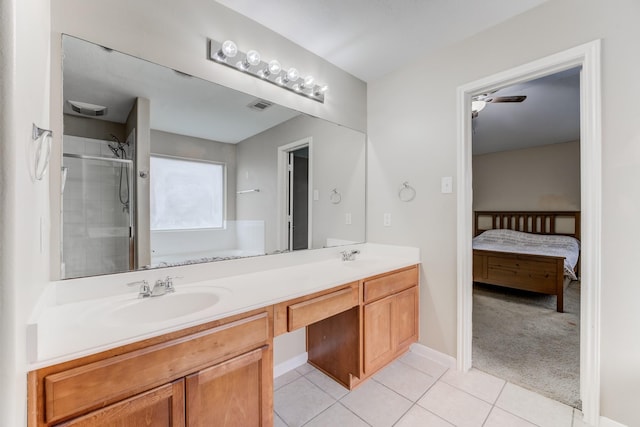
(446, 185)
(386, 221)
(347, 218)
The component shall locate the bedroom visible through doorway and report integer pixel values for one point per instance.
(588, 56)
(526, 158)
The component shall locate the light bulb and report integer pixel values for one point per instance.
(292, 74)
(308, 81)
(253, 57)
(478, 106)
(274, 66)
(228, 50)
(320, 90)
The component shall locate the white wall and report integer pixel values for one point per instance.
(24, 202)
(163, 31)
(337, 161)
(412, 135)
(538, 178)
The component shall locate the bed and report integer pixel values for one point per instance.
(531, 251)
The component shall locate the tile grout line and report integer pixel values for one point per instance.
(337, 401)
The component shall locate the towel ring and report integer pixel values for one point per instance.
(407, 193)
(43, 150)
(335, 197)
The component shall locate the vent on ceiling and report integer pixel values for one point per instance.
(260, 105)
(87, 109)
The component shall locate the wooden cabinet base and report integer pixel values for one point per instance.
(201, 377)
(353, 345)
(333, 346)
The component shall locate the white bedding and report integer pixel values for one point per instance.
(534, 244)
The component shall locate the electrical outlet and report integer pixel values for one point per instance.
(316, 195)
(387, 220)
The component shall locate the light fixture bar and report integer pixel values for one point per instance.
(227, 53)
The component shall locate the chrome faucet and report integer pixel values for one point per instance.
(349, 255)
(145, 290)
(163, 287)
(160, 288)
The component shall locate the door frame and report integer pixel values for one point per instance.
(588, 57)
(283, 188)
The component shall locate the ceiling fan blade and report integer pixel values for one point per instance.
(515, 98)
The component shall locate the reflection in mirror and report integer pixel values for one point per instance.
(161, 168)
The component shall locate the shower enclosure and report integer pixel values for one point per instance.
(97, 207)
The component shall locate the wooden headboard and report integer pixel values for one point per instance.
(566, 223)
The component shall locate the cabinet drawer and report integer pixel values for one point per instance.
(389, 284)
(313, 310)
(101, 383)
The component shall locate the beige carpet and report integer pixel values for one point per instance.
(518, 336)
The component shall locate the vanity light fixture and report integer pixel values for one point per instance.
(227, 53)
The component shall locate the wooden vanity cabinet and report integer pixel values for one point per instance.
(159, 407)
(361, 336)
(232, 393)
(218, 374)
(390, 317)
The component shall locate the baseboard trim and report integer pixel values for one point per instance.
(435, 355)
(607, 422)
(290, 364)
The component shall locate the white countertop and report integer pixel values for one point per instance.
(66, 330)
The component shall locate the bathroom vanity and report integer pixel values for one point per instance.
(220, 367)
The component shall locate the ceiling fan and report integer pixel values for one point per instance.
(478, 102)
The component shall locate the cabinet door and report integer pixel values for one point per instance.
(159, 407)
(237, 392)
(405, 319)
(378, 334)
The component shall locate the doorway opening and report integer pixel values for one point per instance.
(526, 169)
(586, 56)
(298, 199)
(295, 195)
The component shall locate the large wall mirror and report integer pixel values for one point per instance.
(161, 168)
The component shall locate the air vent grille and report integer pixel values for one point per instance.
(260, 105)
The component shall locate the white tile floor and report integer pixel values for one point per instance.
(414, 391)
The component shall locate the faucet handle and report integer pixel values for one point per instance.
(169, 283)
(145, 291)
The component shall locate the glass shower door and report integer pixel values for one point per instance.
(97, 203)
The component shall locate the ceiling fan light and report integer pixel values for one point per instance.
(477, 106)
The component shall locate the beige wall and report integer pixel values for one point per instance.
(412, 136)
(539, 178)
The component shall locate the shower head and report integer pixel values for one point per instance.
(114, 150)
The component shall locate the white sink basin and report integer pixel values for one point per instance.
(183, 302)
